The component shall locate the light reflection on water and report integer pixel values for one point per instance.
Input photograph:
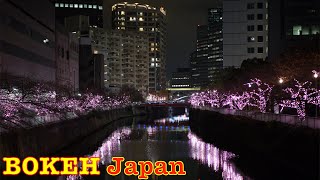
(151, 138)
(213, 157)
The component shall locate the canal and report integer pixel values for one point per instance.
(166, 139)
(166, 135)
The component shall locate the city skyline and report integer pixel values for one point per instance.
(182, 21)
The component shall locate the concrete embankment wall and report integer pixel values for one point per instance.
(262, 146)
(48, 139)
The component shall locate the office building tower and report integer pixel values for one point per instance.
(245, 31)
(207, 61)
(181, 78)
(91, 8)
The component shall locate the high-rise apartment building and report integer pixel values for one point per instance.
(207, 61)
(151, 20)
(27, 39)
(91, 8)
(126, 58)
(245, 31)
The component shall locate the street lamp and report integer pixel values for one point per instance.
(281, 80)
(316, 75)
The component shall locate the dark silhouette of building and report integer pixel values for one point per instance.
(67, 58)
(27, 42)
(91, 73)
(293, 24)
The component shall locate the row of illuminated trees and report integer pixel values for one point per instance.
(21, 108)
(258, 94)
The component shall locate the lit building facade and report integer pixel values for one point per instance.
(181, 78)
(27, 39)
(91, 8)
(126, 58)
(207, 61)
(245, 31)
(67, 59)
(145, 18)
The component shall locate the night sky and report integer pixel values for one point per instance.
(183, 18)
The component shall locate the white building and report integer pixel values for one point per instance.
(245, 31)
(126, 58)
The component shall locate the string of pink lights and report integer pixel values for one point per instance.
(18, 108)
(258, 95)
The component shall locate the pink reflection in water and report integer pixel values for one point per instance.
(213, 157)
(112, 144)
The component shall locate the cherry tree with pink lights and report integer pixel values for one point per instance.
(300, 95)
(20, 109)
(260, 94)
(238, 101)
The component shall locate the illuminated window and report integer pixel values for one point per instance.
(85, 5)
(251, 39)
(132, 19)
(315, 29)
(66, 5)
(100, 7)
(94, 7)
(123, 13)
(297, 30)
(71, 5)
(141, 19)
(56, 5)
(152, 59)
(152, 64)
(141, 29)
(61, 5)
(76, 6)
(152, 49)
(90, 6)
(80, 5)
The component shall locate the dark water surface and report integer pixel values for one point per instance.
(167, 139)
